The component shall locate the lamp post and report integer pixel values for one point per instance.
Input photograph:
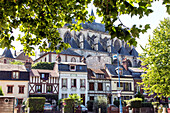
(120, 107)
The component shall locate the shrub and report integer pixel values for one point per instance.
(43, 65)
(101, 102)
(1, 92)
(71, 103)
(135, 102)
(90, 105)
(117, 103)
(36, 104)
(140, 95)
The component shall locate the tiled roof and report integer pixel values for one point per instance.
(97, 71)
(12, 67)
(134, 52)
(112, 69)
(22, 56)
(7, 53)
(36, 72)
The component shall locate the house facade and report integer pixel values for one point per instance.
(99, 84)
(73, 80)
(14, 81)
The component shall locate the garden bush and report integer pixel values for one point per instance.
(68, 105)
(117, 103)
(140, 95)
(36, 104)
(135, 102)
(90, 105)
(43, 65)
(101, 102)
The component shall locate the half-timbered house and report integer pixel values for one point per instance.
(44, 83)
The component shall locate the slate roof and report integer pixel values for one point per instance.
(87, 45)
(36, 72)
(12, 67)
(7, 75)
(100, 47)
(73, 43)
(113, 50)
(69, 52)
(97, 71)
(134, 52)
(112, 69)
(123, 51)
(66, 67)
(7, 53)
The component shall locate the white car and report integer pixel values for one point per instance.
(84, 109)
(48, 106)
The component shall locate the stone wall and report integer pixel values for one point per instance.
(7, 104)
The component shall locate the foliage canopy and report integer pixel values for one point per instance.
(43, 65)
(39, 20)
(156, 59)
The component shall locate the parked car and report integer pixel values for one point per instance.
(84, 109)
(48, 106)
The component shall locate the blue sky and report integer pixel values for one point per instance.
(153, 19)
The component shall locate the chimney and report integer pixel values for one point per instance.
(125, 64)
(56, 67)
(96, 43)
(28, 66)
(109, 46)
(81, 43)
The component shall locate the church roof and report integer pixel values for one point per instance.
(134, 52)
(73, 44)
(7, 53)
(70, 52)
(87, 45)
(100, 48)
(123, 51)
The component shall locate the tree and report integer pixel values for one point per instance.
(1, 92)
(39, 20)
(156, 60)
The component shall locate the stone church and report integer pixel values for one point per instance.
(96, 47)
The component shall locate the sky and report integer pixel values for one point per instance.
(153, 19)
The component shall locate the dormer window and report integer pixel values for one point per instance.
(120, 70)
(72, 68)
(44, 76)
(15, 75)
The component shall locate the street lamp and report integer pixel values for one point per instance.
(119, 82)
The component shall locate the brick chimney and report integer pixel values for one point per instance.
(28, 66)
(125, 63)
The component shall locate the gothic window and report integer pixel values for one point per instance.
(73, 59)
(127, 47)
(104, 42)
(67, 37)
(129, 63)
(117, 45)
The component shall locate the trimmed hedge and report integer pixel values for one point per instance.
(90, 105)
(43, 65)
(135, 102)
(68, 105)
(36, 104)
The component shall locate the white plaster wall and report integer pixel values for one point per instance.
(4, 83)
(69, 90)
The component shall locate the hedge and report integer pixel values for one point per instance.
(36, 104)
(43, 65)
(147, 104)
(135, 102)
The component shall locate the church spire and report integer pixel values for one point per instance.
(92, 14)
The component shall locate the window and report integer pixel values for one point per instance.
(67, 37)
(45, 59)
(15, 75)
(44, 76)
(72, 68)
(73, 82)
(108, 87)
(21, 89)
(100, 87)
(73, 59)
(38, 88)
(4, 61)
(10, 89)
(20, 101)
(49, 88)
(99, 76)
(64, 95)
(91, 86)
(82, 83)
(91, 97)
(64, 82)
(137, 88)
(126, 86)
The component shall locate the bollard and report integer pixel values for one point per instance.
(99, 110)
